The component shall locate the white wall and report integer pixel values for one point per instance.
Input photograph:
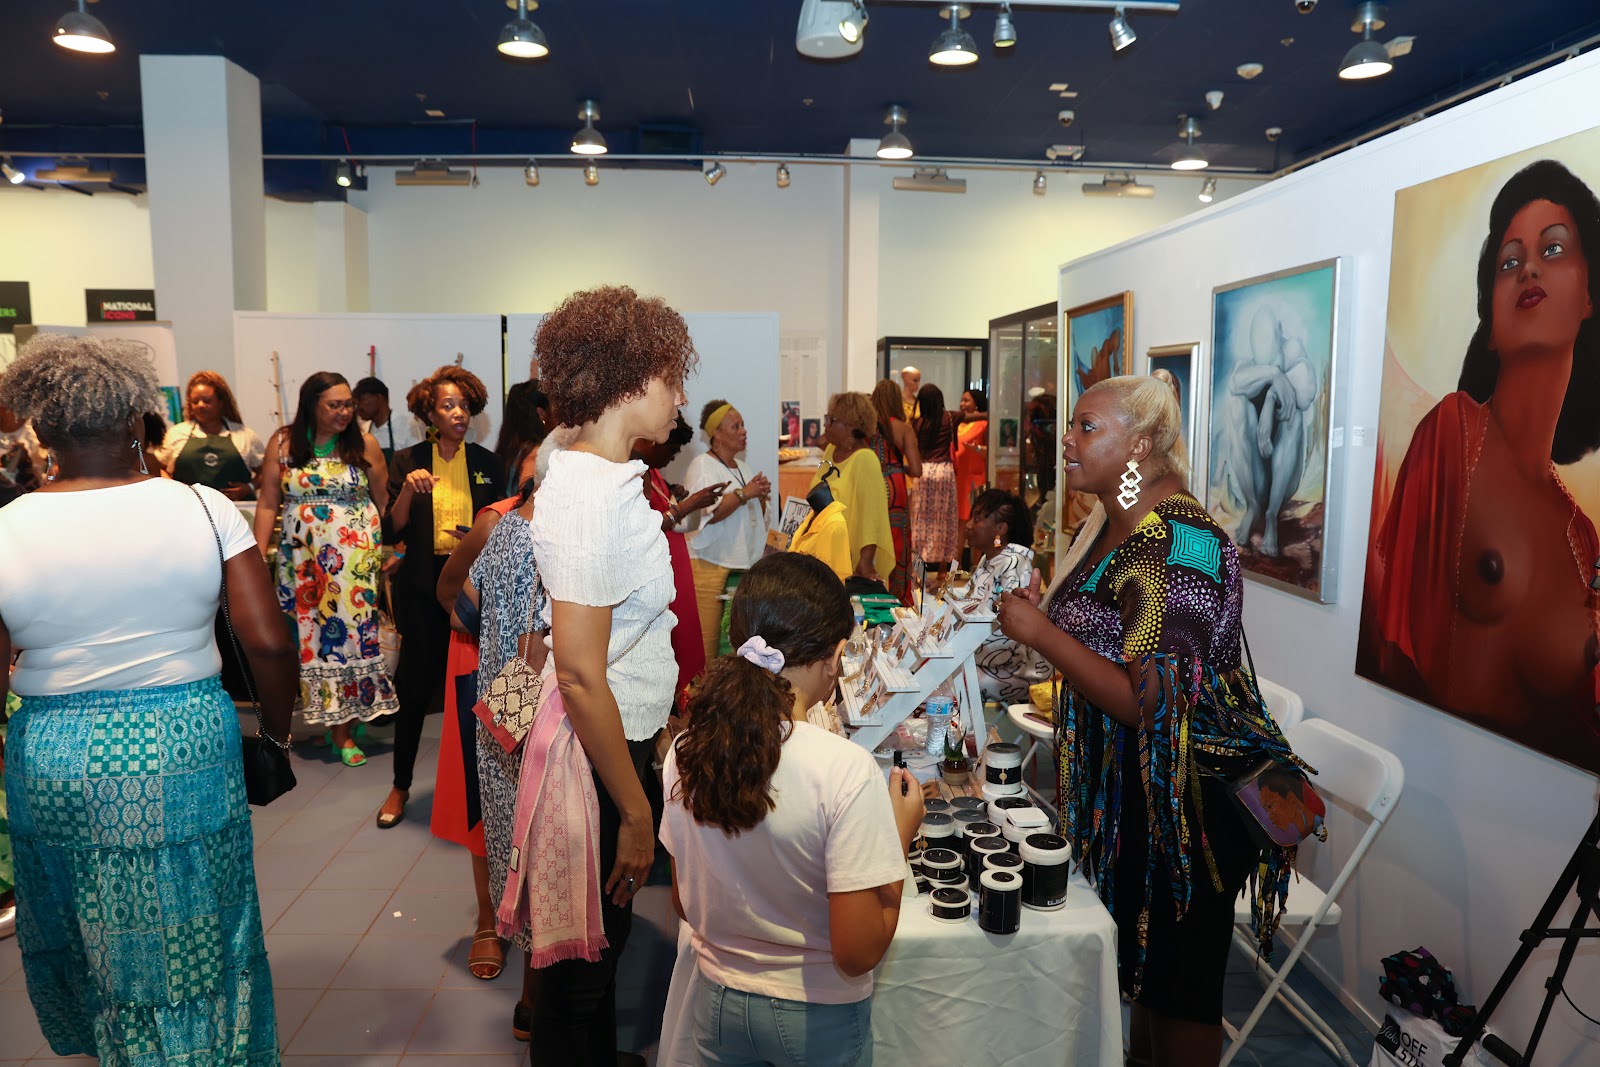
(291, 257)
(62, 243)
(1483, 827)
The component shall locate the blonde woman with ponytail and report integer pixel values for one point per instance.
(788, 853)
(1144, 624)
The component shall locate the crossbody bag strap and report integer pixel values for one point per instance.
(227, 624)
(612, 662)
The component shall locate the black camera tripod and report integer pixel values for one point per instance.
(1582, 871)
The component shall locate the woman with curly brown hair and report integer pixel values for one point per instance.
(435, 489)
(788, 853)
(613, 364)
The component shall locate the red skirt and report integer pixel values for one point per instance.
(450, 807)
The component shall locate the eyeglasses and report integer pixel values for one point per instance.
(340, 405)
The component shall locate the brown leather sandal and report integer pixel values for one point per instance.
(482, 959)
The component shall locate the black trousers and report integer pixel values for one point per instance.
(419, 680)
(575, 1001)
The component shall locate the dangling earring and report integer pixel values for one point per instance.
(1130, 486)
(997, 542)
(138, 446)
(50, 466)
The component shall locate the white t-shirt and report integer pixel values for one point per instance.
(245, 440)
(114, 588)
(599, 543)
(738, 540)
(758, 902)
(403, 435)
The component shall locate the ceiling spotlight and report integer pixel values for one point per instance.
(783, 175)
(820, 32)
(894, 144)
(82, 32)
(1005, 34)
(1189, 129)
(714, 173)
(12, 174)
(853, 25)
(955, 46)
(1369, 59)
(1038, 184)
(591, 175)
(588, 141)
(1122, 34)
(530, 173)
(1208, 190)
(520, 38)
(1124, 186)
(342, 174)
(1214, 99)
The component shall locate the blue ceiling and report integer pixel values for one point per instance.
(725, 74)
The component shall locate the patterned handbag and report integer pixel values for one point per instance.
(508, 706)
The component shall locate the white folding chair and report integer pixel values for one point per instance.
(1362, 776)
(1043, 735)
(1285, 704)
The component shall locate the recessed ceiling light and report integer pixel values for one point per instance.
(588, 141)
(82, 32)
(1058, 87)
(1122, 34)
(894, 144)
(1189, 129)
(520, 38)
(955, 46)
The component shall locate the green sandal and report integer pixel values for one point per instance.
(351, 756)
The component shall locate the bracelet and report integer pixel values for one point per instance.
(261, 731)
(739, 492)
(399, 555)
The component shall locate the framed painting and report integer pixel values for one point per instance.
(1099, 341)
(1180, 366)
(1272, 444)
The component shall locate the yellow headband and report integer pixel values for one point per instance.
(716, 419)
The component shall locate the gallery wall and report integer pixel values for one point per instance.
(1484, 826)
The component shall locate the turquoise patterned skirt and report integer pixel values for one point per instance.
(137, 914)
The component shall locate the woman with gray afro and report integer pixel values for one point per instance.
(138, 918)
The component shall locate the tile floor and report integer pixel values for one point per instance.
(368, 932)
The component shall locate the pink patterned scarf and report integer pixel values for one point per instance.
(553, 883)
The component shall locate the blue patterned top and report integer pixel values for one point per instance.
(506, 577)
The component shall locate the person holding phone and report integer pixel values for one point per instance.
(733, 532)
(435, 488)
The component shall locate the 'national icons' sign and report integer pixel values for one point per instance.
(120, 305)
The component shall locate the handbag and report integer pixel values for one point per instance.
(267, 773)
(507, 708)
(1279, 805)
(388, 632)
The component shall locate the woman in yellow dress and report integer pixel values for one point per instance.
(855, 478)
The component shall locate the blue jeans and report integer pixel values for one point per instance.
(736, 1029)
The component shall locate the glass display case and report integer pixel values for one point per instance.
(1023, 442)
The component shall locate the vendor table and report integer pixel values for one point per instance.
(951, 994)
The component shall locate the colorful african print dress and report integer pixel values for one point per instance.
(328, 562)
(894, 480)
(1155, 831)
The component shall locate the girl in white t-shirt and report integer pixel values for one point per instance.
(788, 852)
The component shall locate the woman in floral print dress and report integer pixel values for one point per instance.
(324, 474)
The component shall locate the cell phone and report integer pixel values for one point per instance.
(463, 529)
(900, 761)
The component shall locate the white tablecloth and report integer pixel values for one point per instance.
(1045, 996)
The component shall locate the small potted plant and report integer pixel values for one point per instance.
(955, 768)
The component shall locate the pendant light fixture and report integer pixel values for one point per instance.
(12, 174)
(82, 32)
(1005, 33)
(1368, 59)
(1122, 34)
(520, 38)
(588, 141)
(1038, 184)
(591, 175)
(1208, 191)
(783, 175)
(894, 144)
(955, 46)
(1189, 129)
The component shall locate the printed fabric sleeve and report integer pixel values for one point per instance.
(862, 848)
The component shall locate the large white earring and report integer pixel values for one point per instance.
(1130, 486)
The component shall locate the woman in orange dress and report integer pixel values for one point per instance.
(972, 450)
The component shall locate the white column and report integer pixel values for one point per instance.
(861, 192)
(341, 256)
(202, 140)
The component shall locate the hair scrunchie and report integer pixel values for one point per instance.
(763, 655)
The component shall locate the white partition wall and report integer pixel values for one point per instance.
(738, 363)
(409, 348)
(1486, 825)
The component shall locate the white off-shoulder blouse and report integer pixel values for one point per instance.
(599, 543)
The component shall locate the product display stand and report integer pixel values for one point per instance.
(901, 684)
(1583, 874)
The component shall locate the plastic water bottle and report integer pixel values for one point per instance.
(860, 612)
(938, 713)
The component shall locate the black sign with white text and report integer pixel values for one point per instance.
(15, 307)
(120, 305)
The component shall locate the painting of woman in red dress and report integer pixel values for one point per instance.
(1483, 569)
